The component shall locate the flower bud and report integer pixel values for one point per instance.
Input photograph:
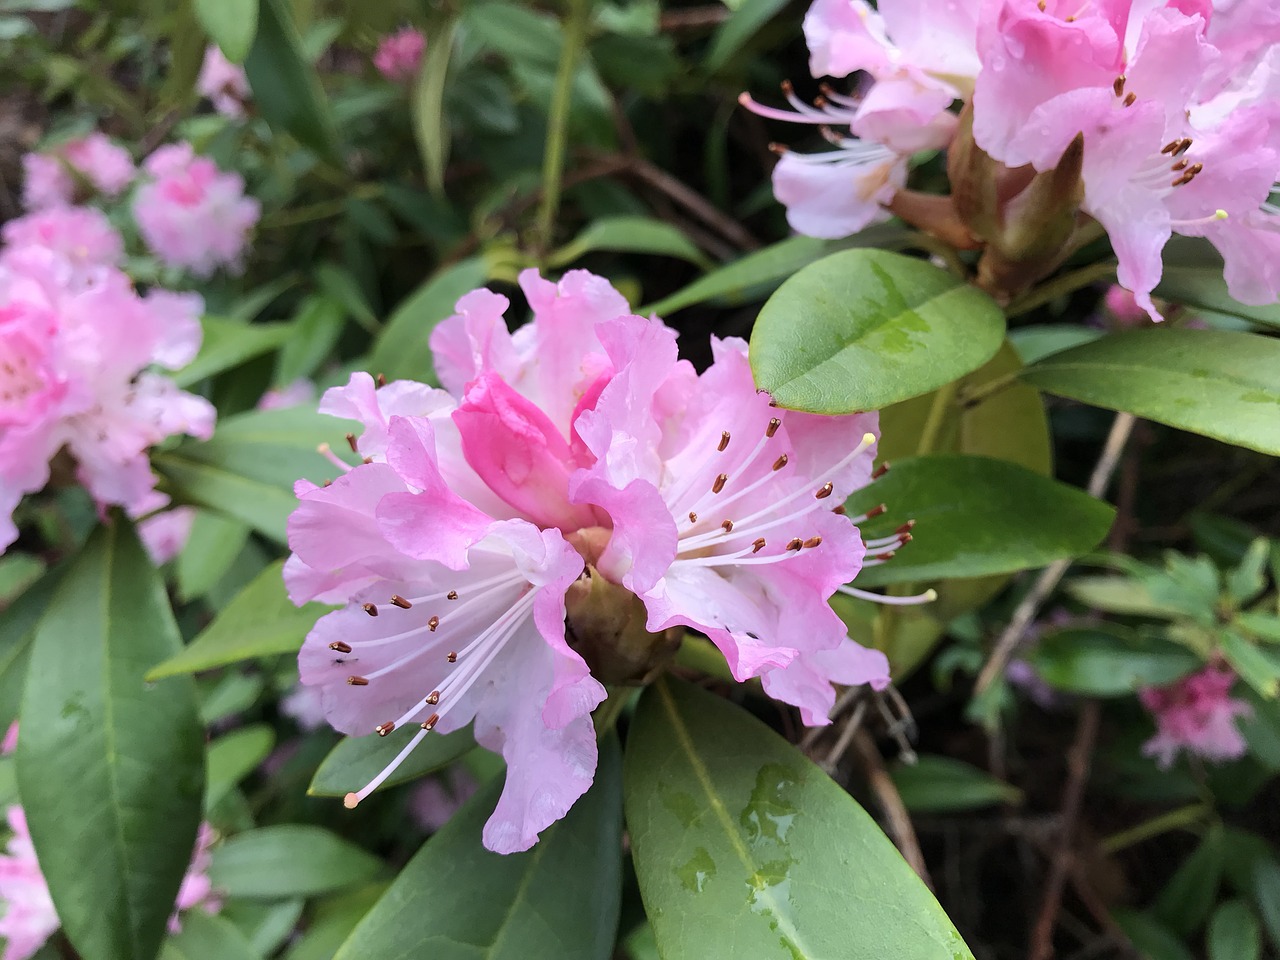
(605, 624)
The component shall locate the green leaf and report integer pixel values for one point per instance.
(231, 24)
(316, 330)
(1220, 384)
(234, 756)
(205, 937)
(1264, 626)
(227, 344)
(1266, 882)
(110, 768)
(289, 860)
(247, 469)
(1108, 662)
(265, 924)
(629, 234)
(1261, 729)
(260, 622)
(1037, 342)
(862, 329)
(1248, 579)
(1234, 933)
(430, 126)
(741, 26)
(18, 625)
(286, 90)
(1193, 276)
(1191, 892)
(213, 546)
(403, 349)
(17, 572)
(1153, 940)
(733, 281)
(744, 848)
(339, 285)
(457, 901)
(1254, 667)
(1126, 595)
(936, 784)
(357, 760)
(976, 516)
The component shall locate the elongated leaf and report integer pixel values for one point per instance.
(430, 126)
(977, 516)
(738, 29)
(357, 760)
(1193, 276)
(404, 349)
(1108, 662)
(1253, 665)
(1153, 940)
(231, 24)
(1234, 933)
(233, 757)
(213, 546)
(1266, 882)
(933, 784)
(862, 329)
(247, 470)
(1220, 384)
(262, 621)
(228, 344)
(629, 235)
(316, 330)
(744, 848)
(18, 626)
(457, 901)
(285, 87)
(290, 860)
(110, 768)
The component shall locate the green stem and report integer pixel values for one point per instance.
(1184, 818)
(942, 401)
(971, 398)
(607, 713)
(575, 37)
(1060, 286)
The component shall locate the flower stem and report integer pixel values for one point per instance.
(1061, 286)
(943, 399)
(1183, 818)
(575, 35)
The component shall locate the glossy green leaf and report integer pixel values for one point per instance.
(862, 329)
(261, 622)
(430, 126)
(332, 921)
(231, 24)
(248, 468)
(936, 784)
(234, 756)
(1039, 341)
(205, 937)
(404, 348)
(227, 344)
(1126, 595)
(1193, 276)
(213, 546)
(743, 848)
(266, 924)
(629, 234)
(290, 860)
(1108, 662)
(976, 516)
(286, 90)
(1234, 933)
(357, 760)
(457, 901)
(111, 768)
(17, 572)
(741, 26)
(316, 330)
(1213, 382)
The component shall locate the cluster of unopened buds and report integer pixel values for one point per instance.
(1142, 118)
(553, 519)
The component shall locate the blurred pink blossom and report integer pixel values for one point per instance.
(303, 704)
(223, 83)
(10, 743)
(165, 534)
(82, 235)
(196, 889)
(437, 798)
(1124, 307)
(49, 183)
(400, 53)
(1196, 714)
(29, 918)
(301, 391)
(191, 214)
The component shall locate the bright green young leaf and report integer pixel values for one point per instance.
(205, 937)
(232, 692)
(744, 848)
(741, 26)
(1264, 626)
(1213, 382)
(404, 349)
(248, 468)
(862, 329)
(629, 234)
(733, 281)
(1108, 662)
(18, 625)
(430, 126)
(286, 90)
(976, 516)
(936, 784)
(457, 901)
(1234, 933)
(231, 24)
(357, 760)
(111, 767)
(232, 757)
(227, 344)
(1252, 664)
(261, 622)
(1126, 595)
(289, 860)
(1248, 579)
(213, 546)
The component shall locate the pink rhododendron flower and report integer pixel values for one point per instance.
(304, 706)
(1122, 305)
(75, 353)
(1196, 714)
(197, 890)
(436, 799)
(400, 53)
(165, 534)
(108, 168)
(28, 918)
(82, 235)
(223, 83)
(580, 438)
(301, 391)
(191, 214)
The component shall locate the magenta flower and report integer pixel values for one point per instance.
(191, 214)
(29, 918)
(1196, 714)
(106, 167)
(399, 54)
(223, 83)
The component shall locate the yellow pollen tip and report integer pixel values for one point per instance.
(931, 595)
(351, 800)
(868, 438)
(1220, 214)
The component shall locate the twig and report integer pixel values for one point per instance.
(1059, 287)
(575, 37)
(1078, 762)
(846, 736)
(847, 696)
(694, 202)
(694, 18)
(1051, 574)
(895, 811)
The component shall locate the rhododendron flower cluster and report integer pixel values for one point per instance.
(1196, 714)
(223, 83)
(399, 54)
(191, 214)
(1176, 105)
(50, 178)
(578, 455)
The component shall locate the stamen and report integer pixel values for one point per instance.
(381, 380)
(758, 545)
(351, 442)
(693, 517)
(795, 543)
(774, 424)
(727, 526)
(1118, 85)
(1130, 99)
(1180, 165)
(880, 471)
(433, 623)
(433, 697)
(724, 441)
(399, 601)
(721, 480)
(431, 721)
(452, 656)
(370, 609)
(339, 646)
(357, 682)
(780, 463)
(839, 511)
(383, 729)
(451, 595)
(352, 799)
(326, 451)
(927, 597)
(1169, 147)
(812, 542)
(824, 491)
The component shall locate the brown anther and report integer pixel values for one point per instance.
(1185, 178)
(777, 148)
(1118, 85)
(727, 526)
(451, 595)
(433, 697)
(906, 538)
(839, 511)
(370, 609)
(399, 601)
(433, 623)
(876, 511)
(357, 682)
(382, 380)
(693, 517)
(430, 722)
(724, 441)
(795, 543)
(889, 555)
(772, 402)
(906, 527)
(340, 646)
(772, 428)
(452, 656)
(1042, 5)
(1171, 146)
(1070, 19)
(880, 471)
(786, 86)
(351, 442)
(1130, 99)
(758, 545)
(327, 483)
(721, 480)
(366, 460)
(812, 542)
(824, 491)
(780, 462)
(383, 729)
(1180, 165)
(1184, 146)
